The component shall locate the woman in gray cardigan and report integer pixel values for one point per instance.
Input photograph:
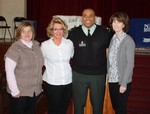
(120, 62)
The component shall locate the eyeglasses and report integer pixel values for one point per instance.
(57, 29)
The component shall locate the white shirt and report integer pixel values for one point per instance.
(57, 61)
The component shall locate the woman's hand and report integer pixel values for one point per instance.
(122, 89)
(17, 96)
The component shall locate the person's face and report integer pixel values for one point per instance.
(27, 34)
(117, 26)
(58, 31)
(88, 18)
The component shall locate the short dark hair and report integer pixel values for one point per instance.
(121, 17)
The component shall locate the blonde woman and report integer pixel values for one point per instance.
(57, 77)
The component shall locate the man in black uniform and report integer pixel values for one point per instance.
(89, 62)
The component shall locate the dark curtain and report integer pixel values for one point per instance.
(43, 10)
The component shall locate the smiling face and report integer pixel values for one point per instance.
(119, 21)
(27, 34)
(88, 18)
(117, 26)
(57, 31)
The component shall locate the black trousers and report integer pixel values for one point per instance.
(58, 97)
(22, 105)
(119, 100)
(96, 84)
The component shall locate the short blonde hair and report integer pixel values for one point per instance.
(57, 20)
(21, 27)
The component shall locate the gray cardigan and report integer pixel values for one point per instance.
(125, 60)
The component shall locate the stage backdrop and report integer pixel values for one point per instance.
(43, 10)
(140, 31)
